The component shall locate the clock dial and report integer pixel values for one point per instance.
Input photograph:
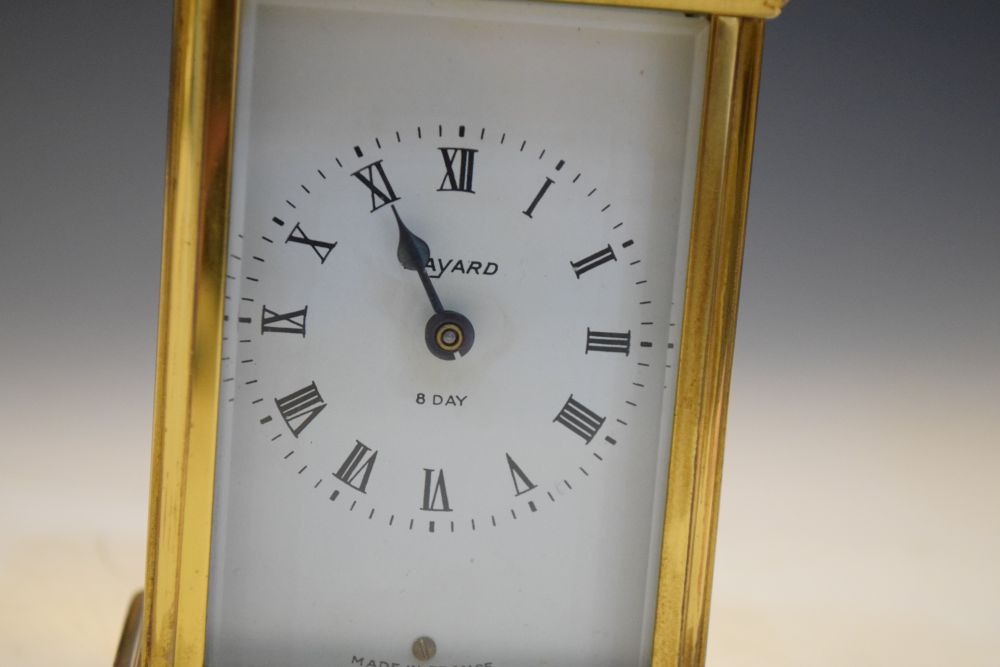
(458, 385)
(452, 305)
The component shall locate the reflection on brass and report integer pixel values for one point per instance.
(189, 340)
(424, 648)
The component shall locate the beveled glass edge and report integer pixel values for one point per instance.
(707, 339)
(763, 9)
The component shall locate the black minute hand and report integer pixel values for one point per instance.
(413, 254)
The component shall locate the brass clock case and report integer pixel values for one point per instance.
(191, 320)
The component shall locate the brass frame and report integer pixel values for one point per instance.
(196, 215)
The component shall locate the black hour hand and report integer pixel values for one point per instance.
(449, 335)
(413, 254)
(413, 251)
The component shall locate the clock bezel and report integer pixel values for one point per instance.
(196, 215)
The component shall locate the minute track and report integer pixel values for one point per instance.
(323, 179)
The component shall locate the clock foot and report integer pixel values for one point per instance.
(128, 645)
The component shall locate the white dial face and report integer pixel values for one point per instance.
(453, 299)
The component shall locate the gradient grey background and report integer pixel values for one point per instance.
(860, 522)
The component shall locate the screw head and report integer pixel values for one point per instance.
(424, 648)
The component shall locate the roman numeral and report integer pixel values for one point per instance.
(460, 181)
(321, 248)
(358, 464)
(589, 262)
(373, 177)
(274, 322)
(608, 341)
(300, 407)
(521, 482)
(435, 492)
(541, 193)
(578, 418)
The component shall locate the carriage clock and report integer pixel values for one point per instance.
(447, 313)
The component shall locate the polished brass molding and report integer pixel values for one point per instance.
(196, 214)
(761, 9)
(707, 337)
